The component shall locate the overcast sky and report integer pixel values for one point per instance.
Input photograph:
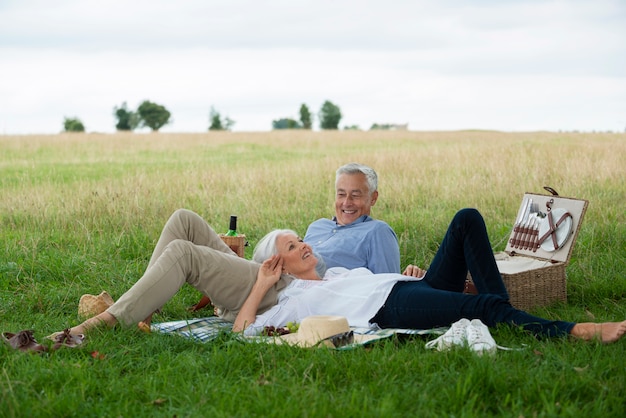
(437, 65)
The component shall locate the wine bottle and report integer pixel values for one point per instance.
(232, 228)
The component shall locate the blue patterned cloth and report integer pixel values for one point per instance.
(206, 329)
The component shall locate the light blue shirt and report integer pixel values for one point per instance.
(366, 242)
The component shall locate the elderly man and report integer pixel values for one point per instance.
(352, 238)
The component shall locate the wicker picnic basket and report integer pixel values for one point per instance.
(538, 251)
(237, 243)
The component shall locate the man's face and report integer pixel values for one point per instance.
(352, 198)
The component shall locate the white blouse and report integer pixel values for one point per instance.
(355, 294)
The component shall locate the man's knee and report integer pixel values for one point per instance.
(179, 247)
(183, 214)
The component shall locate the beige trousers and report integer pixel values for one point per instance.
(190, 251)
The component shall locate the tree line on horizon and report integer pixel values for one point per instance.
(154, 116)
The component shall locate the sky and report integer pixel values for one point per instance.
(526, 65)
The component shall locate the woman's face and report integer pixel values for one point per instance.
(298, 258)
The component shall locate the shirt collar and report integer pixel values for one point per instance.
(362, 218)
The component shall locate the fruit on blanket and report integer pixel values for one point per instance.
(272, 331)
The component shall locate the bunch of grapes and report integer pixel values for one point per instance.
(292, 326)
(272, 331)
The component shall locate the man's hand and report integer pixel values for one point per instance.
(414, 271)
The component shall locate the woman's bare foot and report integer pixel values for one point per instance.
(606, 332)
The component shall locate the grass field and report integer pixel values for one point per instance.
(80, 213)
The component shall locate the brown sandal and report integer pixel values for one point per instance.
(65, 339)
(23, 341)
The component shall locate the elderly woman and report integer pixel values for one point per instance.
(281, 284)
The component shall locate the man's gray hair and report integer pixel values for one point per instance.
(356, 168)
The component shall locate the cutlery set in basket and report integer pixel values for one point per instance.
(539, 248)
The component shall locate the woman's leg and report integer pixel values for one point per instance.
(415, 305)
(606, 332)
(466, 247)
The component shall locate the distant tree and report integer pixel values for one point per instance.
(330, 115)
(390, 126)
(153, 115)
(352, 128)
(228, 123)
(73, 125)
(286, 123)
(217, 123)
(305, 117)
(127, 120)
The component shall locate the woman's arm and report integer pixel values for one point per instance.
(268, 275)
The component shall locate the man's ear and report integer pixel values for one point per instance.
(374, 197)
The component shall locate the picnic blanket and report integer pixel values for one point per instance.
(208, 328)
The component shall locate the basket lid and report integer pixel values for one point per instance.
(546, 226)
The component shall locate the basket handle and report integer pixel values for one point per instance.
(551, 190)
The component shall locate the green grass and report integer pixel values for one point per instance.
(81, 213)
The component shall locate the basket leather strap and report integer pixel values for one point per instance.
(553, 227)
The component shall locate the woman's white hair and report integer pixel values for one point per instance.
(267, 248)
(267, 245)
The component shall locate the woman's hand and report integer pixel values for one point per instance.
(414, 271)
(270, 271)
(268, 275)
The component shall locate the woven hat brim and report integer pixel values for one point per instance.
(293, 340)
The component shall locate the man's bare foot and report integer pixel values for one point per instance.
(145, 327)
(145, 324)
(606, 332)
(104, 318)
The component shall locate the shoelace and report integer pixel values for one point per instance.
(68, 340)
(25, 338)
(468, 335)
(476, 336)
(457, 336)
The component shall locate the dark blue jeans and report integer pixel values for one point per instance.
(437, 300)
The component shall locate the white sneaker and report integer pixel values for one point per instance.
(456, 335)
(479, 338)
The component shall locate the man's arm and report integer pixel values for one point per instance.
(384, 250)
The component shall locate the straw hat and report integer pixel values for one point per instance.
(324, 330)
(90, 305)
